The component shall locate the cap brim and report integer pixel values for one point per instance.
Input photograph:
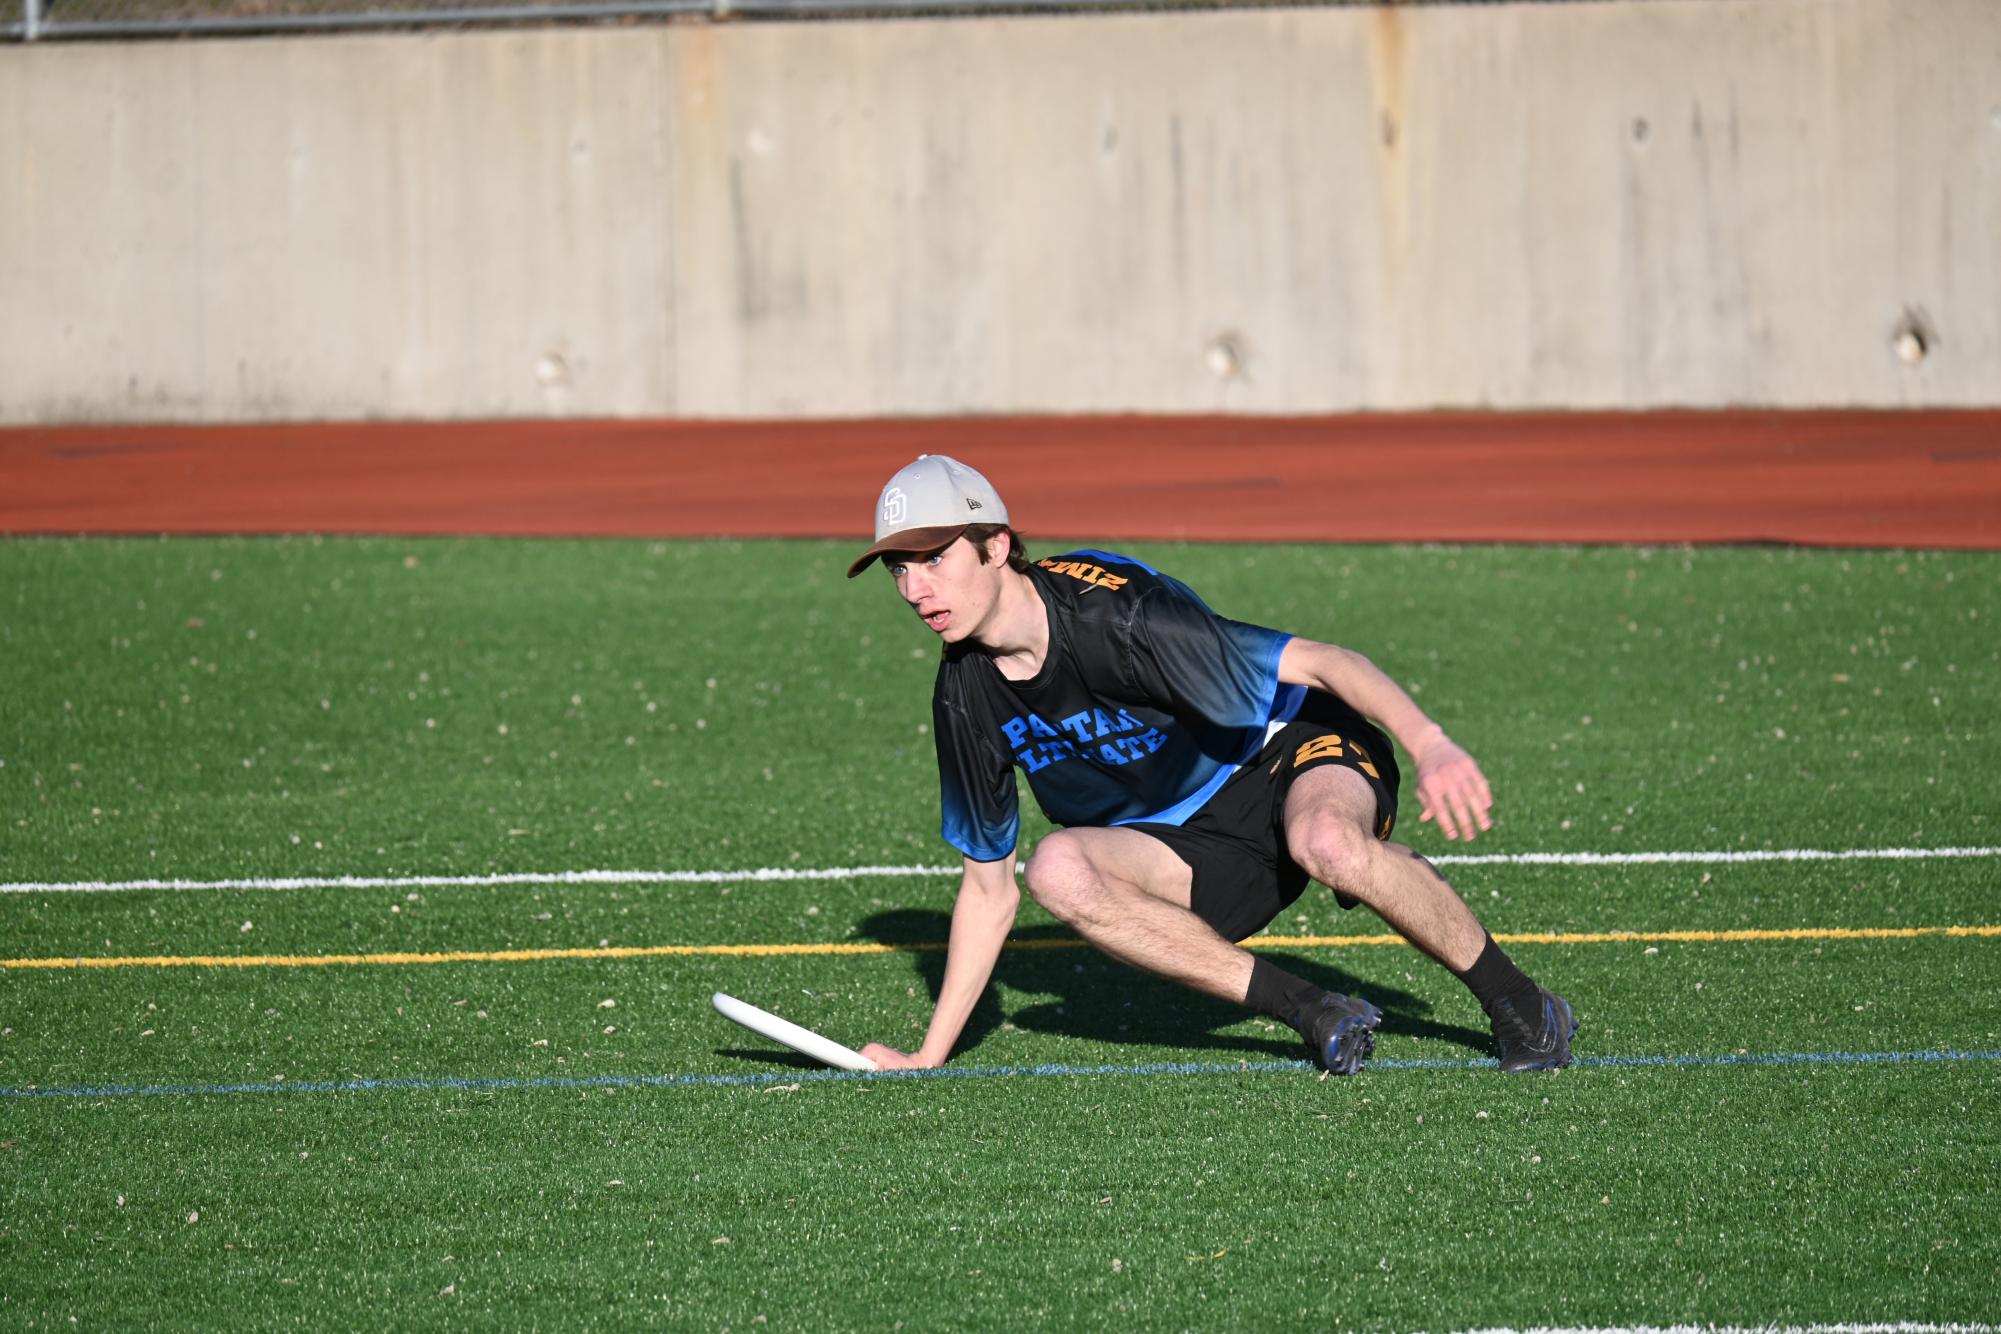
(910, 539)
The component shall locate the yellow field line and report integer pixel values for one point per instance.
(836, 948)
(1725, 937)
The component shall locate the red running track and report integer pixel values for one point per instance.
(1917, 478)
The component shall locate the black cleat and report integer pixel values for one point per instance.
(1545, 1045)
(1343, 1032)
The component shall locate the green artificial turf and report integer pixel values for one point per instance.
(211, 709)
(1436, 1200)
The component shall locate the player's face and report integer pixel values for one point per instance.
(951, 590)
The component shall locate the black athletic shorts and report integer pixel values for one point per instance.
(1235, 845)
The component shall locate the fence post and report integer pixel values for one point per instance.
(30, 16)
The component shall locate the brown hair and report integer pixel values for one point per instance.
(979, 534)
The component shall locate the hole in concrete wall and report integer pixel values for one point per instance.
(551, 370)
(1913, 339)
(1641, 129)
(1226, 354)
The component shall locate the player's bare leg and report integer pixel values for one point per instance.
(1329, 815)
(1328, 827)
(1128, 895)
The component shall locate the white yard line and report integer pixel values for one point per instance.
(516, 878)
(787, 873)
(1899, 1328)
(1708, 858)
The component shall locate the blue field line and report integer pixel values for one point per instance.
(462, 1084)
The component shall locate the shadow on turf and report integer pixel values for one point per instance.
(771, 1056)
(1100, 1000)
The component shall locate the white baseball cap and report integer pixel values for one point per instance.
(927, 505)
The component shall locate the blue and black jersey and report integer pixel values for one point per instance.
(1145, 705)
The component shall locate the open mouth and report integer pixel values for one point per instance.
(936, 619)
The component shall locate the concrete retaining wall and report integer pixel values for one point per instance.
(1626, 204)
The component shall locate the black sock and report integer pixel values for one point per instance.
(1275, 992)
(1494, 977)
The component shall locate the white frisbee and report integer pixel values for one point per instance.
(802, 1040)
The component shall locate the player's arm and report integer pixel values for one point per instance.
(1450, 786)
(981, 919)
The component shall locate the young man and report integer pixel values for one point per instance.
(1204, 770)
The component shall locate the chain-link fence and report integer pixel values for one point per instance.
(46, 20)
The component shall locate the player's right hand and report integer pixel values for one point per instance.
(889, 1058)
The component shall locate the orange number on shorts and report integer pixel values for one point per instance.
(1320, 748)
(1366, 766)
(1329, 748)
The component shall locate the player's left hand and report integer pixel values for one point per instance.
(1452, 790)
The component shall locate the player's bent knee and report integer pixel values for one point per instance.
(1061, 876)
(1338, 853)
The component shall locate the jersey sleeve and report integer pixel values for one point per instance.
(1187, 659)
(976, 794)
